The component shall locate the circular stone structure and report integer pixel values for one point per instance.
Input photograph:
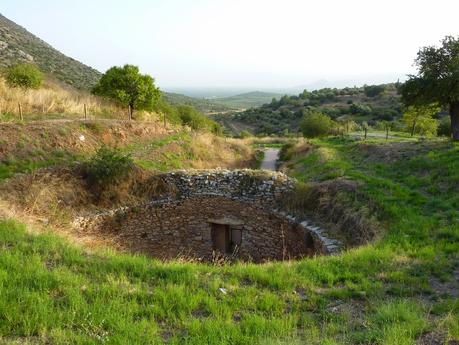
(207, 214)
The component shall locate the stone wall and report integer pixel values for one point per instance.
(180, 222)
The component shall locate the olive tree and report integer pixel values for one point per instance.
(437, 80)
(127, 86)
(316, 124)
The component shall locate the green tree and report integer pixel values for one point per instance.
(437, 80)
(373, 90)
(127, 86)
(418, 119)
(25, 76)
(316, 124)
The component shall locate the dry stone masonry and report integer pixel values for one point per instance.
(217, 212)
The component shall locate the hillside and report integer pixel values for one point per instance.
(19, 45)
(369, 103)
(203, 105)
(247, 100)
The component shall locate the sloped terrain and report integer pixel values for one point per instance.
(284, 114)
(19, 45)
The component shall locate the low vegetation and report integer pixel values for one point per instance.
(25, 76)
(108, 166)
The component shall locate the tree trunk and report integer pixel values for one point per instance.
(131, 111)
(413, 128)
(454, 113)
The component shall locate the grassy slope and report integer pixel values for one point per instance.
(26, 147)
(392, 292)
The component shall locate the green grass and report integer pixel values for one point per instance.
(140, 150)
(64, 295)
(381, 293)
(38, 160)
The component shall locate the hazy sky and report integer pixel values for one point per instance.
(254, 43)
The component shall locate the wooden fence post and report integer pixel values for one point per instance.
(130, 112)
(85, 112)
(20, 111)
(366, 130)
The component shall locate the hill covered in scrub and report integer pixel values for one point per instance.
(203, 105)
(247, 100)
(367, 103)
(18, 45)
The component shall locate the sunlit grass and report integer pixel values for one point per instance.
(380, 293)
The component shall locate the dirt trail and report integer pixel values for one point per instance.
(270, 159)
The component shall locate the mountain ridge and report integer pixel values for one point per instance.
(18, 45)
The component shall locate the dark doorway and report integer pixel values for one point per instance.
(221, 238)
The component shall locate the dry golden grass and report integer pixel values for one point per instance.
(210, 151)
(54, 99)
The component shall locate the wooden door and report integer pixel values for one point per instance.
(221, 238)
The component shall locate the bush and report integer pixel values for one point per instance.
(316, 124)
(25, 76)
(373, 90)
(197, 121)
(244, 134)
(108, 166)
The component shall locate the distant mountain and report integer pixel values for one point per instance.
(17, 45)
(247, 100)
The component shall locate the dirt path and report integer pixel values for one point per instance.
(270, 159)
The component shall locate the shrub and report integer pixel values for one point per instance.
(197, 121)
(25, 76)
(107, 166)
(373, 90)
(244, 134)
(316, 124)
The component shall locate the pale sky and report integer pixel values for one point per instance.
(235, 43)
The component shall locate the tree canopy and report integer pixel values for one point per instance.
(419, 119)
(316, 124)
(127, 86)
(437, 80)
(26, 76)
